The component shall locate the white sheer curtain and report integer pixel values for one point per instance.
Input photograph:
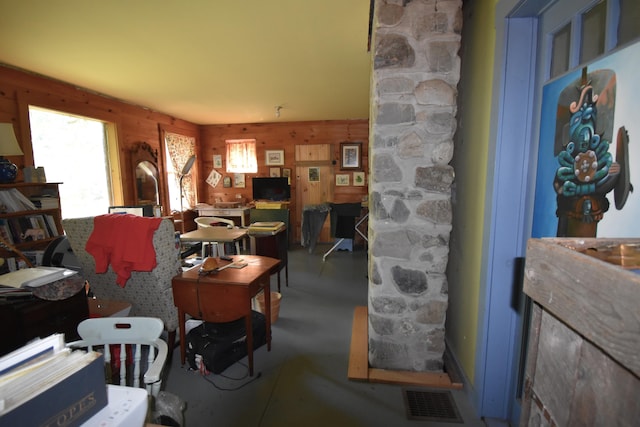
(241, 156)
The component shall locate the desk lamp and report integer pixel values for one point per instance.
(185, 170)
(8, 147)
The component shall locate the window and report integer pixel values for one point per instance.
(560, 51)
(598, 28)
(74, 151)
(241, 156)
(594, 23)
(178, 150)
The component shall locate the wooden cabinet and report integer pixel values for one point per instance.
(582, 366)
(22, 320)
(28, 206)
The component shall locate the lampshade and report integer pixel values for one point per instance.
(187, 166)
(8, 147)
(8, 143)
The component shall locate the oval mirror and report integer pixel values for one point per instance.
(147, 183)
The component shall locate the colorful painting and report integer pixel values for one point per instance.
(587, 158)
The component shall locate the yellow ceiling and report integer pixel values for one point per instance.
(206, 61)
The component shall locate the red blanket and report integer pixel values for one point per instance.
(125, 241)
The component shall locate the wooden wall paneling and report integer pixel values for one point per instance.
(286, 136)
(134, 123)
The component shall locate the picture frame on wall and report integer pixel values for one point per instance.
(358, 179)
(274, 157)
(314, 174)
(342, 180)
(226, 182)
(286, 172)
(217, 161)
(274, 172)
(351, 155)
(238, 180)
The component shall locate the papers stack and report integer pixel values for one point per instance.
(34, 277)
(266, 226)
(45, 382)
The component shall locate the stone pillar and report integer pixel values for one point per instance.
(415, 75)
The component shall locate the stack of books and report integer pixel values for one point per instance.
(45, 202)
(44, 383)
(14, 201)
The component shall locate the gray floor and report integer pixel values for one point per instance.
(303, 380)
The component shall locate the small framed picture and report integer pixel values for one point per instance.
(238, 180)
(226, 182)
(274, 157)
(314, 174)
(342, 179)
(351, 155)
(358, 179)
(286, 172)
(274, 172)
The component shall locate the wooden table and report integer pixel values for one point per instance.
(241, 212)
(272, 244)
(215, 234)
(224, 296)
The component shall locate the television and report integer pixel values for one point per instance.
(272, 188)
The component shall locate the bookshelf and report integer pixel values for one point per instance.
(30, 216)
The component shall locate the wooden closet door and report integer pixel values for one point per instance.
(310, 191)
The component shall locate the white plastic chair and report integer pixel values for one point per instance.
(206, 221)
(142, 334)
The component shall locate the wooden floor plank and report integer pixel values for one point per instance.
(423, 379)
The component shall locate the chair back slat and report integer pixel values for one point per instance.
(134, 346)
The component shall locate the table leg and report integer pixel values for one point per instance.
(267, 308)
(249, 340)
(183, 343)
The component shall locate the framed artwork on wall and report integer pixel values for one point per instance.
(314, 174)
(351, 155)
(217, 161)
(226, 182)
(238, 180)
(274, 172)
(274, 157)
(342, 180)
(358, 179)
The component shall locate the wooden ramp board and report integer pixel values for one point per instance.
(359, 362)
(358, 356)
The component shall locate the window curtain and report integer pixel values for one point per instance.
(241, 156)
(179, 149)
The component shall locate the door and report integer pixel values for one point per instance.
(537, 33)
(314, 175)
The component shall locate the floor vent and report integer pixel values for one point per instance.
(431, 405)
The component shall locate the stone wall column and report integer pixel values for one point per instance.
(415, 74)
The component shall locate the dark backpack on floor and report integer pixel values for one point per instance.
(222, 344)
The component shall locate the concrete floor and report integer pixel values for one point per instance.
(303, 380)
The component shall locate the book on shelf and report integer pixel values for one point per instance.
(45, 202)
(34, 277)
(14, 201)
(44, 383)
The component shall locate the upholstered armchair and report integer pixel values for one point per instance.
(149, 293)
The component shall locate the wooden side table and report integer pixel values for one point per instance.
(224, 296)
(272, 244)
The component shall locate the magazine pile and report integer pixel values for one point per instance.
(19, 281)
(44, 383)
